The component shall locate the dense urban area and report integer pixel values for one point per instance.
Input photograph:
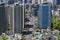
(29, 19)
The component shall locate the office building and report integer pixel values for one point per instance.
(18, 18)
(44, 16)
(15, 19)
(3, 19)
(10, 19)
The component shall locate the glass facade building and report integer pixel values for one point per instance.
(9, 11)
(14, 18)
(18, 18)
(44, 16)
(3, 19)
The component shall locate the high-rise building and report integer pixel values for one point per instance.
(44, 16)
(3, 19)
(10, 19)
(15, 18)
(18, 18)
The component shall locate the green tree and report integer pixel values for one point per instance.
(4, 38)
(55, 22)
(23, 37)
(57, 25)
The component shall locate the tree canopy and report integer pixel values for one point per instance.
(56, 22)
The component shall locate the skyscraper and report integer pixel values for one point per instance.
(3, 19)
(44, 15)
(10, 19)
(15, 18)
(18, 18)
